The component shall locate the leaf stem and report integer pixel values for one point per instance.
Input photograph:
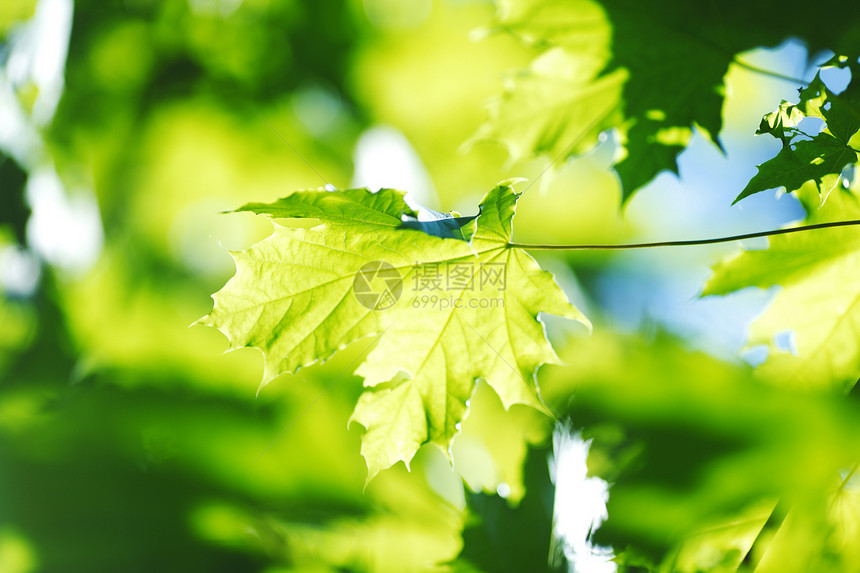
(769, 73)
(779, 76)
(687, 243)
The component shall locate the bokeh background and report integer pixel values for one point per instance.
(128, 441)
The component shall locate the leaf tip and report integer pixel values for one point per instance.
(371, 474)
(583, 320)
(743, 195)
(511, 182)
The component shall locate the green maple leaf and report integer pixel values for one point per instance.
(820, 157)
(819, 273)
(302, 294)
(640, 67)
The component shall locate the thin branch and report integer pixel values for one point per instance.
(764, 72)
(597, 119)
(598, 247)
(296, 151)
(769, 73)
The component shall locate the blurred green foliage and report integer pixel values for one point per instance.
(14, 12)
(127, 443)
(700, 451)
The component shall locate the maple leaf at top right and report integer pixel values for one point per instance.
(818, 157)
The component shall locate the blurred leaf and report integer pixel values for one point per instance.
(692, 445)
(558, 107)
(13, 12)
(819, 536)
(300, 295)
(490, 450)
(14, 210)
(721, 547)
(397, 525)
(503, 538)
(811, 326)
